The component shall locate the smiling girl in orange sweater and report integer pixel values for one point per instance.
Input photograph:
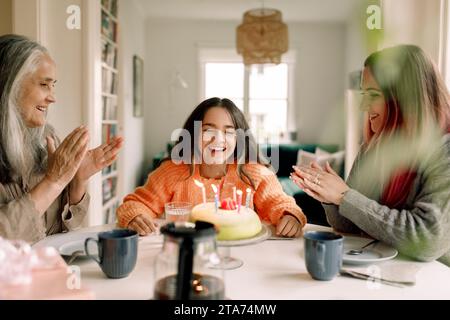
(227, 155)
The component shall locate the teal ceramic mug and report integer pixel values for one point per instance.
(117, 252)
(323, 254)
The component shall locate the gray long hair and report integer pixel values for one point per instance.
(22, 150)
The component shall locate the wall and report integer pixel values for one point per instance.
(26, 18)
(172, 45)
(5, 17)
(320, 82)
(132, 42)
(357, 48)
(65, 46)
(414, 22)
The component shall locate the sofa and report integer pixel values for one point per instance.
(288, 154)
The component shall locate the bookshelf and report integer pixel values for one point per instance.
(110, 123)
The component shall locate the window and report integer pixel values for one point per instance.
(262, 93)
(268, 101)
(225, 80)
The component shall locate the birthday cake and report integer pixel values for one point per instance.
(232, 223)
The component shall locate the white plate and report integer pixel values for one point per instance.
(376, 252)
(261, 236)
(69, 248)
(67, 243)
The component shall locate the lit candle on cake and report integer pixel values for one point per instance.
(239, 200)
(202, 186)
(216, 196)
(248, 197)
(234, 195)
(218, 192)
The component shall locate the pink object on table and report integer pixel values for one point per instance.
(52, 279)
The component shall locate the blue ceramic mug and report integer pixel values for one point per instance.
(117, 252)
(323, 254)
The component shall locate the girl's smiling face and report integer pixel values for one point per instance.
(218, 136)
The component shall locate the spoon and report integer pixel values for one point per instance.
(355, 252)
(75, 255)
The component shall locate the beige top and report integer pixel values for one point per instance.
(19, 218)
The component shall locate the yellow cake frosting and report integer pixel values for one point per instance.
(231, 224)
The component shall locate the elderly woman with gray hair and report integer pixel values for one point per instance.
(42, 181)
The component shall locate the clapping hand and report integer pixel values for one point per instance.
(323, 184)
(64, 161)
(99, 158)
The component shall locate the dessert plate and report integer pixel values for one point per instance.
(376, 252)
(260, 236)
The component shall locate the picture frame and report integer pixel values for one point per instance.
(138, 83)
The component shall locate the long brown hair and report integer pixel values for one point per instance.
(413, 89)
(241, 156)
(417, 101)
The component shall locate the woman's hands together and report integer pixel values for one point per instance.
(73, 160)
(72, 163)
(323, 184)
(64, 161)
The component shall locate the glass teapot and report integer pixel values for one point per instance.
(185, 268)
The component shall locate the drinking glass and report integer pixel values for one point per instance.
(177, 211)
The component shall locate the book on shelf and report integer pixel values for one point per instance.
(109, 27)
(110, 214)
(109, 54)
(109, 81)
(113, 8)
(110, 6)
(109, 131)
(106, 4)
(109, 169)
(109, 189)
(109, 108)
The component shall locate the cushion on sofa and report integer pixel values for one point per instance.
(289, 187)
(321, 157)
(287, 154)
(335, 159)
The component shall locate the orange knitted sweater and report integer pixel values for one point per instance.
(173, 183)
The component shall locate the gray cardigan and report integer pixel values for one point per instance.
(422, 231)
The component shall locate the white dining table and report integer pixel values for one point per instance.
(272, 270)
